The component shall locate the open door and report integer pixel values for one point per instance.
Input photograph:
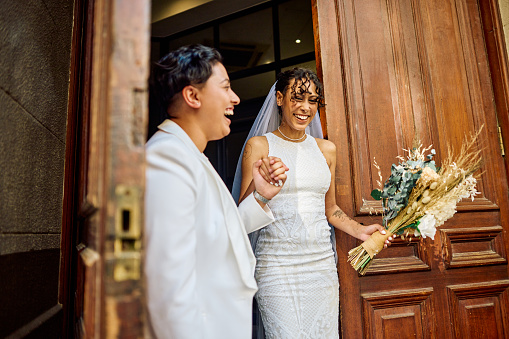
(391, 70)
(105, 170)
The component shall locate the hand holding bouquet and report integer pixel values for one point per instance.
(418, 197)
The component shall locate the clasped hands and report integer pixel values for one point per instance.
(269, 176)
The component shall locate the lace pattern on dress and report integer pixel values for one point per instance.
(296, 273)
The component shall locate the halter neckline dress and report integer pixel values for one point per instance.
(298, 294)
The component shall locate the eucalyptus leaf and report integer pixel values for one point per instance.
(413, 164)
(391, 204)
(376, 194)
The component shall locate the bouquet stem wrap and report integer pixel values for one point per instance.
(361, 256)
(375, 243)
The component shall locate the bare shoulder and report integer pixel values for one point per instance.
(258, 141)
(328, 149)
(257, 146)
(326, 146)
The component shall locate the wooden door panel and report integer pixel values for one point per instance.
(480, 310)
(387, 93)
(406, 314)
(476, 246)
(477, 100)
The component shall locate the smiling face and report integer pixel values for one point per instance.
(298, 106)
(217, 102)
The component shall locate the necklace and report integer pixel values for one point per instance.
(298, 139)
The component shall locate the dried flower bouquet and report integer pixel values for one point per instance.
(418, 197)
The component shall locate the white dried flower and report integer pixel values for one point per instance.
(444, 209)
(430, 173)
(466, 188)
(427, 226)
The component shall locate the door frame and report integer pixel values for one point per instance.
(496, 50)
(101, 272)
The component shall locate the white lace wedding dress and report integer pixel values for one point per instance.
(296, 273)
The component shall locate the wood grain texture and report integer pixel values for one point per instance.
(400, 68)
(473, 246)
(408, 313)
(497, 55)
(480, 310)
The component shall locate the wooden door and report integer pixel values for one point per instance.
(105, 170)
(77, 211)
(393, 69)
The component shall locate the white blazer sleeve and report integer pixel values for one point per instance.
(170, 262)
(253, 215)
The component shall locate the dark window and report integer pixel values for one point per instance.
(256, 44)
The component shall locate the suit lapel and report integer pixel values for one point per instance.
(236, 231)
(233, 223)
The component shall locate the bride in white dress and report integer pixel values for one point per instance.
(298, 294)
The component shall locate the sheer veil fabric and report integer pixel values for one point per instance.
(268, 120)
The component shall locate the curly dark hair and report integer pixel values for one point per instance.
(303, 78)
(188, 65)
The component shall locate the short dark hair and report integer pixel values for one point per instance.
(188, 65)
(303, 76)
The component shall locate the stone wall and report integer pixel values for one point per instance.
(35, 44)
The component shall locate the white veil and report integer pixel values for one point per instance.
(268, 120)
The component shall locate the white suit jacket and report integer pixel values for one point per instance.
(199, 266)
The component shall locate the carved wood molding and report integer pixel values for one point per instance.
(469, 247)
(480, 310)
(409, 312)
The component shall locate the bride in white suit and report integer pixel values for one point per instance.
(199, 266)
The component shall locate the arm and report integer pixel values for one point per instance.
(260, 172)
(170, 260)
(335, 216)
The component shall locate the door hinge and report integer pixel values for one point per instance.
(501, 141)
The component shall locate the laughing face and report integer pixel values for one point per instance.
(218, 100)
(298, 105)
